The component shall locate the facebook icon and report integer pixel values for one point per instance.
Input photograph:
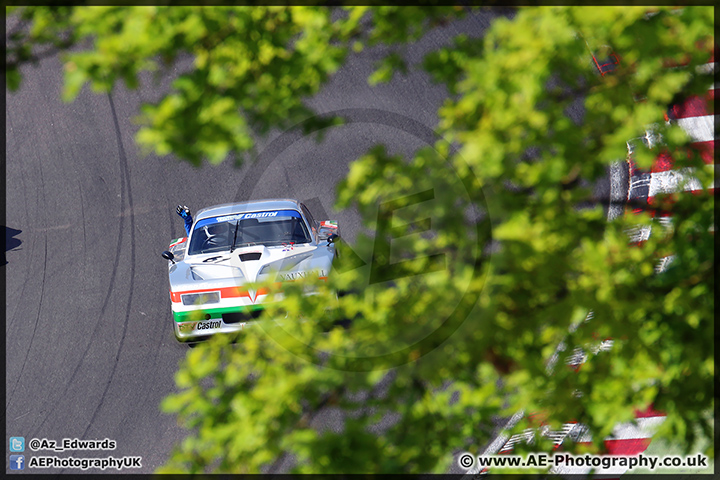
(17, 462)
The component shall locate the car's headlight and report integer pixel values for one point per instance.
(200, 298)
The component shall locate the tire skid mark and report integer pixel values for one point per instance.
(89, 343)
(42, 293)
(32, 337)
(22, 290)
(27, 277)
(126, 174)
(113, 275)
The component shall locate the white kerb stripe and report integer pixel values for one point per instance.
(671, 180)
(640, 428)
(700, 129)
(502, 438)
(707, 68)
(639, 234)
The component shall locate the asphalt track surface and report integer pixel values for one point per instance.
(90, 351)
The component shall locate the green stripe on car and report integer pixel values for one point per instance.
(200, 315)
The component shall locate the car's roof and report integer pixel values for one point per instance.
(251, 206)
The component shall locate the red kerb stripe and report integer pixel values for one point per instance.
(664, 161)
(706, 150)
(695, 106)
(627, 447)
(648, 412)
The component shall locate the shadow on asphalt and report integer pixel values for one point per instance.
(11, 242)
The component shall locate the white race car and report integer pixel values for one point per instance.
(235, 244)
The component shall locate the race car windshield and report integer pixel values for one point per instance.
(273, 228)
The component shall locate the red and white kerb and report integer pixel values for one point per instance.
(696, 116)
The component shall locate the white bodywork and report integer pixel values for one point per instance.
(207, 290)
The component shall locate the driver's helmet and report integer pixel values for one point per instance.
(215, 229)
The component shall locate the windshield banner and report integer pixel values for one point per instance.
(243, 216)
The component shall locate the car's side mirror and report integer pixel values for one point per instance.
(332, 238)
(168, 255)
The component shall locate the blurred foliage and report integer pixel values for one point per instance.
(242, 70)
(483, 260)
